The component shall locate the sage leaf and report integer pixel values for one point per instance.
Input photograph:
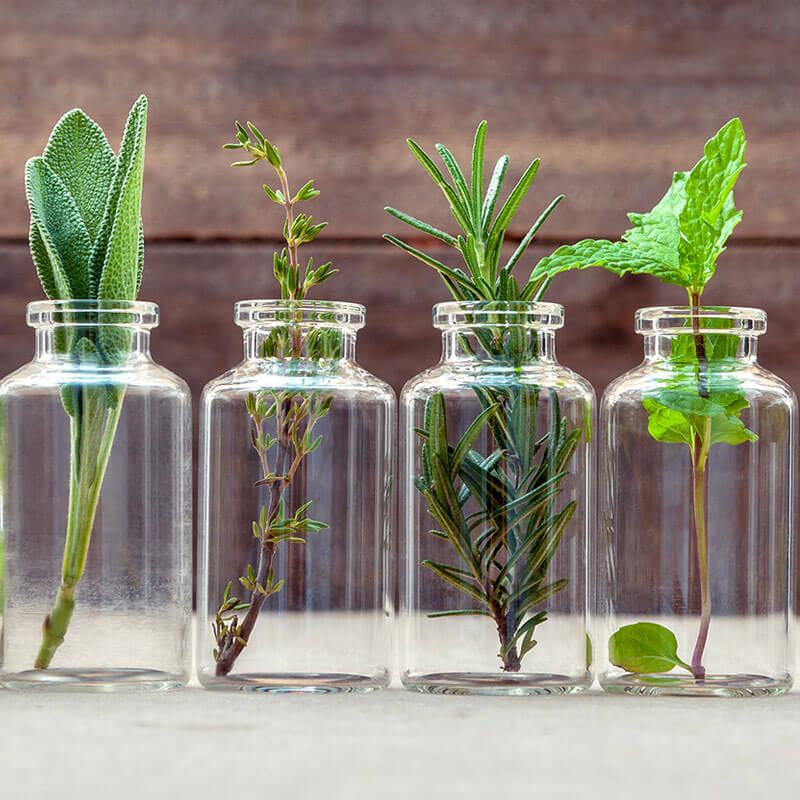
(79, 153)
(645, 647)
(120, 272)
(131, 150)
(60, 230)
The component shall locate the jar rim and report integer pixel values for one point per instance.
(319, 313)
(491, 313)
(80, 313)
(672, 320)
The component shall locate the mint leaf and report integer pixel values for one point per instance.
(709, 214)
(645, 647)
(679, 415)
(650, 249)
(79, 153)
(680, 240)
(61, 234)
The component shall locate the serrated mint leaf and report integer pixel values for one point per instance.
(80, 155)
(666, 424)
(650, 248)
(129, 163)
(60, 231)
(680, 240)
(645, 647)
(679, 414)
(709, 214)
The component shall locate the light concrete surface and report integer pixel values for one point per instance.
(197, 744)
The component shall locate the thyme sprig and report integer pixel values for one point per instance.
(500, 510)
(282, 423)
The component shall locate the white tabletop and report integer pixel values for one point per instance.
(199, 744)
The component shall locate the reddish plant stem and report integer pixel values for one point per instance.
(700, 494)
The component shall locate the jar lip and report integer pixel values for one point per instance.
(736, 320)
(80, 313)
(319, 313)
(491, 313)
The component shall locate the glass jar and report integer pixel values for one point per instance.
(696, 511)
(95, 484)
(496, 503)
(296, 467)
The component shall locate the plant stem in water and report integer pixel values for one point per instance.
(699, 497)
(702, 443)
(93, 427)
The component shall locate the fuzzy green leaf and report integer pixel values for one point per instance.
(61, 232)
(115, 256)
(79, 153)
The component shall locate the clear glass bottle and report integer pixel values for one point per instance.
(496, 502)
(122, 594)
(696, 511)
(296, 462)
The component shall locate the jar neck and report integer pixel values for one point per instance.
(713, 347)
(512, 345)
(312, 343)
(58, 343)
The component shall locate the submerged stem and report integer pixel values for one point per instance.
(699, 496)
(93, 427)
(702, 442)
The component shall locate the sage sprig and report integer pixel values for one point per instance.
(292, 415)
(697, 404)
(87, 243)
(502, 550)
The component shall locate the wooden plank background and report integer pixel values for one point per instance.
(611, 95)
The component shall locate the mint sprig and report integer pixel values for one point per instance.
(680, 240)
(696, 403)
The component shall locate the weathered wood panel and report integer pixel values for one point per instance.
(612, 95)
(197, 285)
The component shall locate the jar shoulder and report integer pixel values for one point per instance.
(544, 376)
(755, 382)
(264, 375)
(41, 376)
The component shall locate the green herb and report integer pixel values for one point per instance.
(645, 647)
(679, 241)
(503, 549)
(282, 423)
(87, 244)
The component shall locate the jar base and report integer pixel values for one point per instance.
(493, 683)
(733, 685)
(93, 680)
(300, 682)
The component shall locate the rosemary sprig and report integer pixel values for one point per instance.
(291, 415)
(502, 551)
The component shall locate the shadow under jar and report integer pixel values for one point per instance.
(496, 503)
(95, 476)
(295, 507)
(696, 511)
